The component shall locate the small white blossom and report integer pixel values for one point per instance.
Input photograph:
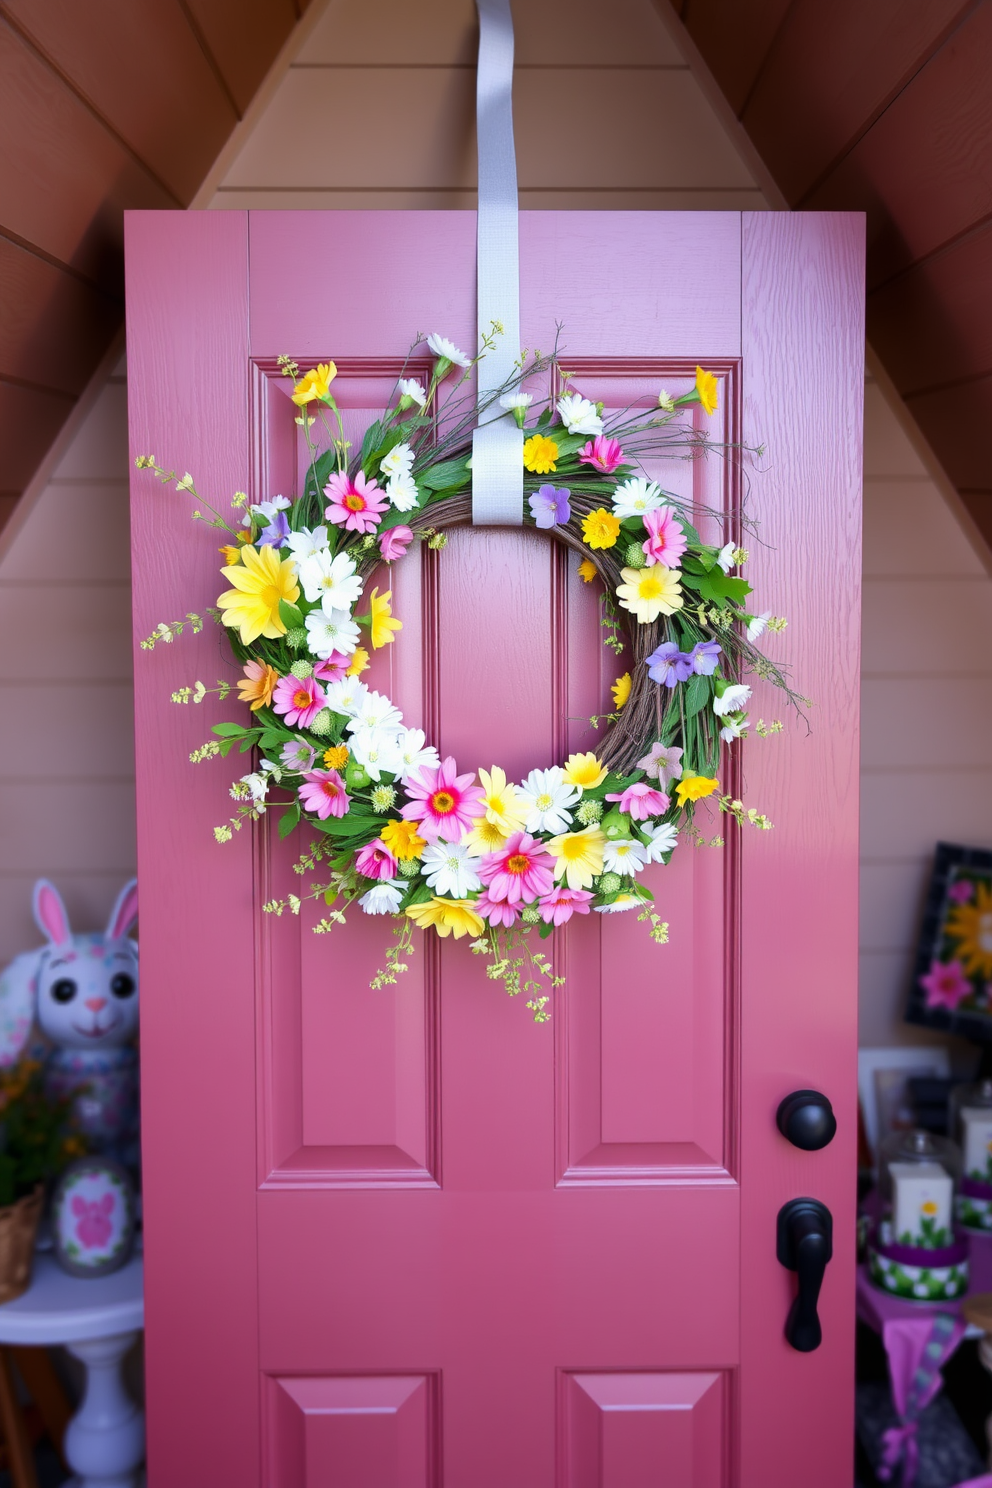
(398, 461)
(375, 711)
(665, 401)
(306, 542)
(662, 837)
(579, 415)
(383, 898)
(415, 752)
(329, 631)
(268, 509)
(548, 795)
(330, 579)
(409, 387)
(510, 401)
(725, 557)
(442, 347)
(734, 727)
(758, 624)
(402, 491)
(258, 784)
(346, 695)
(636, 495)
(620, 903)
(731, 700)
(448, 869)
(376, 750)
(624, 855)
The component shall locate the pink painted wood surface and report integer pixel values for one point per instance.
(529, 1235)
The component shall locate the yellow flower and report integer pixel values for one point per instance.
(587, 570)
(621, 690)
(381, 615)
(315, 384)
(448, 916)
(585, 771)
(504, 808)
(258, 686)
(971, 926)
(403, 840)
(929, 1207)
(707, 387)
(359, 662)
(485, 837)
(580, 856)
(230, 554)
(650, 592)
(600, 529)
(540, 454)
(695, 788)
(260, 581)
(336, 757)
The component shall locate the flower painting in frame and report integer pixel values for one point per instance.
(952, 980)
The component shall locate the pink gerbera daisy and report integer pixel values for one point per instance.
(323, 792)
(520, 870)
(666, 540)
(333, 667)
(496, 911)
(374, 860)
(300, 699)
(641, 801)
(445, 804)
(355, 503)
(946, 984)
(602, 452)
(562, 903)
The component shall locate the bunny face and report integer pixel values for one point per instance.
(87, 985)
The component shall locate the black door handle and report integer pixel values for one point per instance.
(805, 1245)
(806, 1119)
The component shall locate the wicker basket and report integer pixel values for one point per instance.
(18, 1227)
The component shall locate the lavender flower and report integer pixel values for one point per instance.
(703, 657)
(298, 756)
(668, 665)
(276, 533)
(549, 507)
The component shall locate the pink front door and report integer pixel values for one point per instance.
(407, 1237)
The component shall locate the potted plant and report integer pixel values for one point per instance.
(36, 1142)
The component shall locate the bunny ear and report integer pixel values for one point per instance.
(49, 913)
(124, 912)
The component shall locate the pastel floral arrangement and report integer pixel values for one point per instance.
(398, 830)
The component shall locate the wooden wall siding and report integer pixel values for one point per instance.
(103, 106)
(886, 108)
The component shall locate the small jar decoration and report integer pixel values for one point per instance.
(971, 1124)
(915, 1251)
(93, 1212)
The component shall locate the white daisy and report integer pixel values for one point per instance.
(376, 750)
(383, 898)
(732, 699)
(620, 903)
(409, 387)
(547, 794)
(330, 631)
(449, 870)
(725, 557)
(734, 727)
(268, 509)
(636, 495)
(306, 542)
(510, 401)
(442, 347)
(345, 695)
(665, 401)
(375, 711)
(758, 624)
(330, 579)
(624, 855)
(402, 491)
(398, 461)
(258, 784)
(662, 837)
(579, 415)
(415, 752)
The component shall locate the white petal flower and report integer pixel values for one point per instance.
(449, 870)
(409, 387)
(306, 542)
(665, 401)
(758, 624)
(330, 631)
(258, 784)
(510, 401)
(734, 727)
(725, 557)
(442, 347)
(398, 461)
(624, 855)
(376, 750)
(402, 491)
(732, 699)
(547, 795)
(346, 695)
(415, 752)
(375, 711)
(268, 509)
(383, 898)
(579, 415)
(620, 903)
(636, 495)
(330, 579)
(662, 837)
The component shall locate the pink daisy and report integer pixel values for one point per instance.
(323, 792)
(445, 804)
(602, 452)
(666, 540)
(333, 668)
(300, 699)
(496, 911)
(961, 892)
(946, 985)
(520, 870)
(641, 801)
(562, 903)
(356, 504)
(394, 543)
(374, 860)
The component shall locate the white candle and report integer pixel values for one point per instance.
(921, 1203)
(977, 1122)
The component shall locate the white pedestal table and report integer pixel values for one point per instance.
(97, 1319)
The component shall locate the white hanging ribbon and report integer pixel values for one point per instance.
(497, 445)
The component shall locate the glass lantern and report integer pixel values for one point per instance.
(916, 1251)
(970, 1123)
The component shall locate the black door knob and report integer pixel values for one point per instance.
(805, 1245)
(806, 1119)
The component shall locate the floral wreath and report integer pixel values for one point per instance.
(400, 831)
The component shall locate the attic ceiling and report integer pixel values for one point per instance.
(883, 108)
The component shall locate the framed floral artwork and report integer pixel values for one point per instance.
(93, 1215)
(952, 979)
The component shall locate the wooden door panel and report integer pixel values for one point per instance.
(641, 1430)
(357, 1431)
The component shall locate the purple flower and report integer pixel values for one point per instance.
(298, 756)
(276, 533)
(703, 657)
(549, 506)
(668, 665)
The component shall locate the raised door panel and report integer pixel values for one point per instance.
(352, 1431)
(642, 1430)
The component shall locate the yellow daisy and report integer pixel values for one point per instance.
(579, 855)
(403, 840)
(448, 916)
(621, 691)
(650, 592)
(540, 454)
(587, 570)
(695, 788)
(230, 554)
(585, 771)
(315, 384)
(381, 616)
(336, 757)
(707, 387)
(971, 926)
(359, 662)
(504, 808)
(485, 837)
(260, 581)
(600, 529)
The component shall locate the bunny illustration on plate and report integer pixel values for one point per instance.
(83, 990)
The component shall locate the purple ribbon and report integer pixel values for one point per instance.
(899, 1444)
(916, 1349)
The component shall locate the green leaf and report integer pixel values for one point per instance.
(545, 930)
(717, 585)
(697, 695)
(232, 730)
(448, 473)
(372, 437)
(289, 819)
(320, 471)
(271, 738)
(290, 615)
